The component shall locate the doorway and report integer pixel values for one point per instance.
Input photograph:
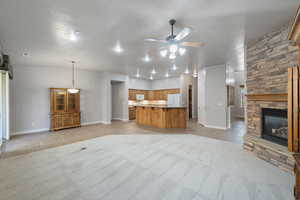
(4, 106)
(190, 99)
(117, 99)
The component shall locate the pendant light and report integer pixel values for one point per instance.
(73, 90)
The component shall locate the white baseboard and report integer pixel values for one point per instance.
(119, 119)
(105, 122)
(30, 131)
(91, 123)
(215, 127)
(47, 129)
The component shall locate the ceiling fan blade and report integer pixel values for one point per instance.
(154, 40)
(192, 44)
(182, 34)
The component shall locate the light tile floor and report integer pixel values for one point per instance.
(143, 167)
(22, 144)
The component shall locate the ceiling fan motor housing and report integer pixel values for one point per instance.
(172, 36)
(172, 22)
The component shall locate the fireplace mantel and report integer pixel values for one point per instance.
(275, 97)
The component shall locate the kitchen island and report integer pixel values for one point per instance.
(161, 116)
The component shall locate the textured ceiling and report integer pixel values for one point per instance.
(42, 28)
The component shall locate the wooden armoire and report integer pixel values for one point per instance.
(65, 109)
(294, 105)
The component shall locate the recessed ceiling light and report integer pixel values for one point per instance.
(153, 71)
(172, 56)
(137, 73)
(173, 48)
(163, 53)
(186, 71)
(230, 81)
(174, 67)
(73, 36)
(118, 48)
(182, 51)
(147, 58)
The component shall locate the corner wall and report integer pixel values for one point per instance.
(267, 62)
(30, 96)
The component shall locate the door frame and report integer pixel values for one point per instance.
(4, 104)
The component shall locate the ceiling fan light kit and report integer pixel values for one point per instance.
(172, 56)
(173, 48)
(163, 53)
(175, 42)
(182, 51)
(175, 45)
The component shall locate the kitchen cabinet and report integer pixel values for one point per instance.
(152, 94)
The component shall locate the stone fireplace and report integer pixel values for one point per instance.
(268, 60)
(275, 125)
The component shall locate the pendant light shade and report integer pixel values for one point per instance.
(73, 90)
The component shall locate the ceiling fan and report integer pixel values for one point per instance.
(176, 39)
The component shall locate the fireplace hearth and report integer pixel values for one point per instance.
(275, 125)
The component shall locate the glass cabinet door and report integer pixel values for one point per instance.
(73, 100)
(59, 100)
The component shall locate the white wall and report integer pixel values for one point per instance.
(140, 84)
(185, 81)
(167, 83)
(30, 96)
(201, 96)
(159, 84)
(238, 110)
(212, 99)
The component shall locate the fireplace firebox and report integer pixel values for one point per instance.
(275, 125)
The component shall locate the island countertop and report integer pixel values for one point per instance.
(161, 116)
